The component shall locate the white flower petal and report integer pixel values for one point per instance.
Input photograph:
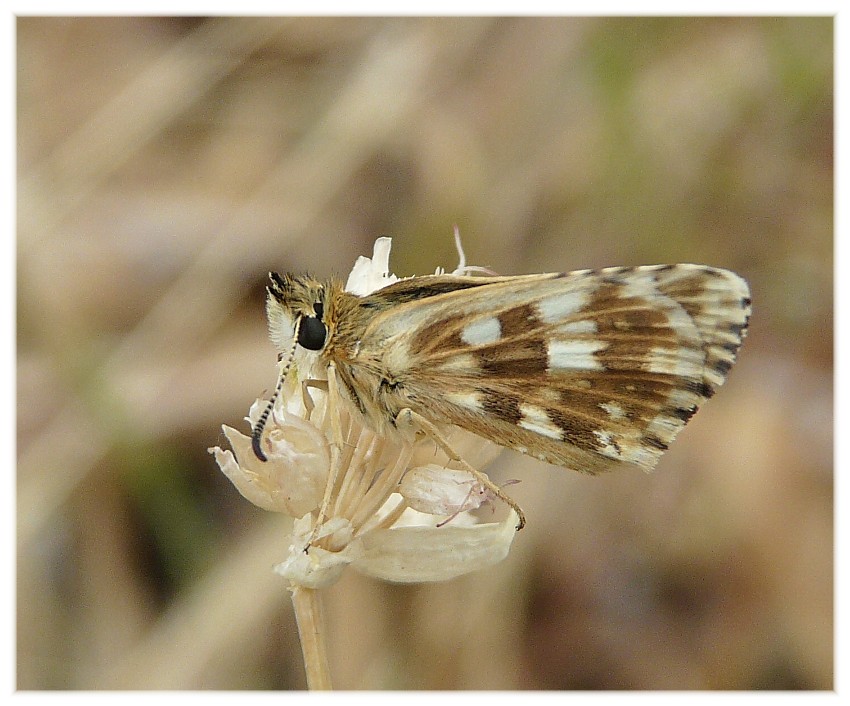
(381, 254)
(414, 518)
(369, 275)
(441, 491)
(293, 479)
(415, 554)
(293, 440)
(318, 567)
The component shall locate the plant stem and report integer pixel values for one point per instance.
(307, 603)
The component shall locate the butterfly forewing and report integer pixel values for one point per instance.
(586, 370)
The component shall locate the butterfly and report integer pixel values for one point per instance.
(589, 370)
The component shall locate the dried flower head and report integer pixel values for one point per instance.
(397, 510)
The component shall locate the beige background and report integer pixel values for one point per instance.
(164, 165)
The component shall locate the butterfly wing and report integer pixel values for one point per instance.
(586, 370)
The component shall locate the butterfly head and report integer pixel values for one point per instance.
(296, 310)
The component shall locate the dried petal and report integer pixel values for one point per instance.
(415, 554)
(441, 491)
(293, 479)
(317, 568)
(369, 275)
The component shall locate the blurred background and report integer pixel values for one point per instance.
(166, 164)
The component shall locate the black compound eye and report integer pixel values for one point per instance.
(311, 333)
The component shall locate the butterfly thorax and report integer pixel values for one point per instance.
(365, 371)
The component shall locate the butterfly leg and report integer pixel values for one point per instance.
(416, 421)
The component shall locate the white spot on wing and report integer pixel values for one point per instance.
(614, 410)
(640, 283)
(641, 455)
(482, 331)
(537, 420)
(607, 446)
(575, 355)
(558, 307)
(458, 364)
(626, 450)
(583, 326)
(467, 400)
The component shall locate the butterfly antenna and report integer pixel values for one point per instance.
(257, 434)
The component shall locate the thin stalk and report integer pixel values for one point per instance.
(307, 603)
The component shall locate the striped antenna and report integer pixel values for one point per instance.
(257, 435)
